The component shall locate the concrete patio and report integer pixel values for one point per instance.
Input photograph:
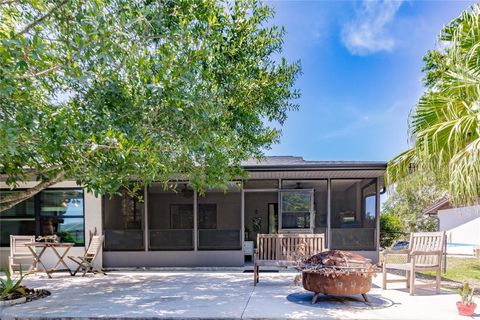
(216, 295)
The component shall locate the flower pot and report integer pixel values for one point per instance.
(466, 309)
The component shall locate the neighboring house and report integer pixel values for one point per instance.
(462, 225)
(178, 227)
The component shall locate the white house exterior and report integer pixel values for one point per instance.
(462, 226)
(179, 228)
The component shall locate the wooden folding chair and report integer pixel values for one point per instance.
(20, 252)
(423, 254)
(86, 262)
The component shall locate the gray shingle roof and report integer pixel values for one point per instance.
(294, 162)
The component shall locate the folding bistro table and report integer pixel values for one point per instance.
(53, 246)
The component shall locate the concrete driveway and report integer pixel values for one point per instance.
(217, 295)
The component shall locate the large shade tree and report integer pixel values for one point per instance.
(445, 124)
(106, 92)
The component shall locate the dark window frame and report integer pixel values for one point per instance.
(364, 199)
(37, 215)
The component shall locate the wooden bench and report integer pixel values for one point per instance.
(285, 250)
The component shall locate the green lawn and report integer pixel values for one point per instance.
(462, 269)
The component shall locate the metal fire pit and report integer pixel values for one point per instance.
(338, 272)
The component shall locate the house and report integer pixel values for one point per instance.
(462, 225)
(178, 227)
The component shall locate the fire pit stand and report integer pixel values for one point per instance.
(338, 272)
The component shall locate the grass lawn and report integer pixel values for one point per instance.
(462, 269)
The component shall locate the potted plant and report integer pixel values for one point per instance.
(466, 307)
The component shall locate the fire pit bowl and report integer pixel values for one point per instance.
(336, 272)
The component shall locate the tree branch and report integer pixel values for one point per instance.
(45, 16)
(34, 75)
(7, 2)
(9, 201)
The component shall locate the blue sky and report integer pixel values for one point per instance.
(361, 64)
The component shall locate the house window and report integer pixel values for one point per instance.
(51, 212)
(181, 216)
(207, 216)
(296, 209)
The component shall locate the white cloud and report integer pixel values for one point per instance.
(368, 32)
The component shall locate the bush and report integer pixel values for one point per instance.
(391, 228)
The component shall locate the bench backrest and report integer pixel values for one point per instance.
(427, 241)
(289, 246)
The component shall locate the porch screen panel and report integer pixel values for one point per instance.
(170, 217)
(353, 220)
(123, 223)
(219, 220)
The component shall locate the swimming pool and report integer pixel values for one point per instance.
(461, 248)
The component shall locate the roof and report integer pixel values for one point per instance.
(298, 163)
(443, 203)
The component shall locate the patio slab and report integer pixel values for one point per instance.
(216, 295)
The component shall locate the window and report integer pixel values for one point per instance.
(207, 216)
(296, 207)
(320, 200)
(181, 216)
(369, 194)
(51, 212)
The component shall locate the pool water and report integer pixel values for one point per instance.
(460, 248)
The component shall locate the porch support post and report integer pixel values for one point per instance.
(146, 234)
(279, 205)
(242, 217)
(195, 219)
(377, 215)
(329, 212)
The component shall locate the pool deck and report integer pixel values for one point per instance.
(217, 295)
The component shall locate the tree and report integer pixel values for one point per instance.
(445, 124)
(109, 91)
(407, 202)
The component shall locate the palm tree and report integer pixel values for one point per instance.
(445, 124)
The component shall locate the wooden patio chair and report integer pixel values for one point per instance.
(86, 261)
(20, 252)
(424, 253)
